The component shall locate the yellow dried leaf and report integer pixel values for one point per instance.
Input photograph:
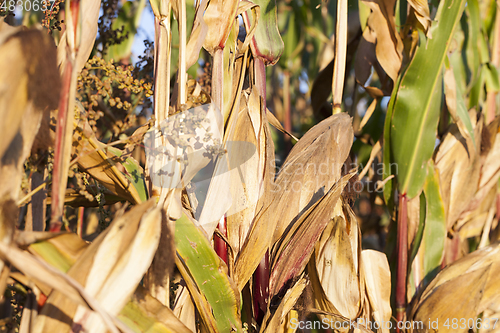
(377, 276)
(389, 47)
(459, 170)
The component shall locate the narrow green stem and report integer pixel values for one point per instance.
(402, 250)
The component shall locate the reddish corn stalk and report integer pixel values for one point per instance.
(64, 128)
(261, 275)
(220, 245)
(402, 250)
(59, 184)
(261, 289)
(218, 80)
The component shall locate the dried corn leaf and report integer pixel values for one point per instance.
(337, 256)
(377, 277)
(121, 175)
(8, 218)
(422, 13)
(490, 170)
(331, 138)
(184, 308)
(146, 314)
(471, 222)
(291, 254)
(446, 303)
(456, 104)
(315, 162)
(197, 36)
(219, 17)
(110, 269)
(73, 51)
(459, 166)
(274, 321)
(389, 47)
(142, 313)
(59, 251)
(463, 289)
(29, 87)
(40, 271)
(251, 182)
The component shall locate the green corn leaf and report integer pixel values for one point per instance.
(134, 173)
(434, 236)
(430, 239)
(417, 102)
(214, 293)
(456, 103)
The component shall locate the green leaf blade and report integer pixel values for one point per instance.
(417, 105)
(206, 278)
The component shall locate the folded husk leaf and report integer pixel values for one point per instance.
(463, 289)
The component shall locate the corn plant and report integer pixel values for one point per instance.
(205, 191)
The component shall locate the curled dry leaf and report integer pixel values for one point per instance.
(464, 289)
(219, 17)
(366, 60)
(337, 260)
(184, 308)
(73, 52)
(197, 36)
(377, 279)
(389, 47)
(458, 162)
(490, 169)
(472, 221)
(456, 104)
(422, 13)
